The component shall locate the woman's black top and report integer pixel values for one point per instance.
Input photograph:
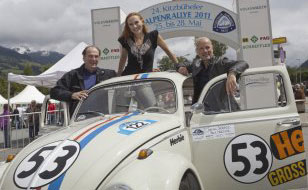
(140, 59)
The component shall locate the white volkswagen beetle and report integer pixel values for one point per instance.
(141, 132)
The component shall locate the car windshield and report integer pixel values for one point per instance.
(146, 96)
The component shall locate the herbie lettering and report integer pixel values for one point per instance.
(287, 143)
(287, 173)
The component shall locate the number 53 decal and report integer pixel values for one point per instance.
(248, 158)
(41, 167)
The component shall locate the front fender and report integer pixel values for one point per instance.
(3, 166)
(161, 170)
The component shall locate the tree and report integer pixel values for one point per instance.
(166, 64)
(3, 87)
(15, 88)
(28, 69)
(219, 49)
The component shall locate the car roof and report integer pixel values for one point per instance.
(171, 75)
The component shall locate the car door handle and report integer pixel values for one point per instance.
(290, 122)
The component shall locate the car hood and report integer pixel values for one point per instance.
(84, 154)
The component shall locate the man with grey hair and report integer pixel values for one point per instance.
(204, 68)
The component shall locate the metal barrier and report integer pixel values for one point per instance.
(21, 129)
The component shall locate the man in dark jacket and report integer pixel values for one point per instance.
(73, 86)
(204, 68)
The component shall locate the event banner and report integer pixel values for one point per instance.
(256, 32)
(193, 18)
(105, 32)
(257, 49)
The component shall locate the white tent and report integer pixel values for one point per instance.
(2, 100)
(49, 78)
(27, 95)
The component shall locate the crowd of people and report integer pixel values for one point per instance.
(20, 118)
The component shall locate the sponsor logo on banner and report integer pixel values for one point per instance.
(265, 38)
(174, 141)
(224, 23)
(106, 22)
(256, 46)
(133, 126)
(287, 173)
(106, 51)
(253, 9)
(106, 54)
(287, 143)
(248, 158)
(254, 39)
(115, 50)
(245, 40)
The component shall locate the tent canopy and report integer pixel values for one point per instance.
(50, 77)
(2, 100)
(27, 95)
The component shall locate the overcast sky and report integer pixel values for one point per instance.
(60, 25)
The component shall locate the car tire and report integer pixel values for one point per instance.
(189, 182)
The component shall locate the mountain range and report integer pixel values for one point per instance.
(15, 60)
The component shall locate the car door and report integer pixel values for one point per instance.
(252, 140)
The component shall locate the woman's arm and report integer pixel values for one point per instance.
(161, 43)
(123, 58)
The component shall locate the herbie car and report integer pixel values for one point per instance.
(141, 132)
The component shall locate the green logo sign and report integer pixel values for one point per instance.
(106, 51)
(254, 39)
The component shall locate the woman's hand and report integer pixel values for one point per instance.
(183, 71)
(156, 70)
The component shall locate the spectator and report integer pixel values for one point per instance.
(299, 93)
(21, 111)
(4, 124)
(33, 119)
(16, 118)
(51, 113)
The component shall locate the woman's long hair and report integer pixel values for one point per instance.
(126, 32)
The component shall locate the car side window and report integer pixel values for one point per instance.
(249, 95)
(217, 100)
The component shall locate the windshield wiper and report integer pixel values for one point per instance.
(98, 113)
(136, 109)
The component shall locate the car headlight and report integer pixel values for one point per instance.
(119, 187)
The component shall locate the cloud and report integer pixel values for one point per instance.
(288, 20)
(44, 24)
(61, 24)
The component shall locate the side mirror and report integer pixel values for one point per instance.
(66, 113)
(44, 111)
(197, 108)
